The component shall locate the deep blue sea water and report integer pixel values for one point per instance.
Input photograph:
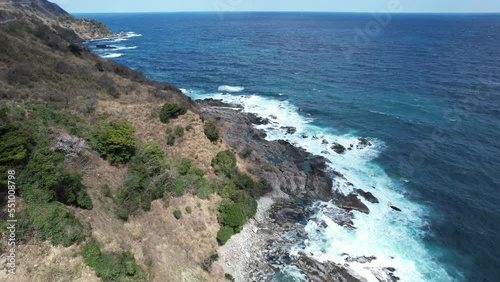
(424, 88)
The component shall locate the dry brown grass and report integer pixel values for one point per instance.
(43, 262)
(176, 247)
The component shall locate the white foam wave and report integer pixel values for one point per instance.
(394, 238)
(119, 48)
(232, 89)
(111, 55)
(132, 34)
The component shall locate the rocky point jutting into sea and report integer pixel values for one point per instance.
(299, 178)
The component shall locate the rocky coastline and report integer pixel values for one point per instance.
(299, 179)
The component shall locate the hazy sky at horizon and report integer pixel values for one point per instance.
(407, 6)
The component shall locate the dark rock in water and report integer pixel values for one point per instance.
(324, 272)
(103, 46)
(217, 103)
(304, 136)
(395, 208)
(339, 149)
(384, 274)
(257, 120)
(320, 222)
(363, 143)
(362, 259)
(290, 129)
(337, 174)
(350, 202)
(325, 152)
(324, 142)
(368, 196)
(315, 137)
(341, 217)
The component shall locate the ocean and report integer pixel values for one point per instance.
(424, 89)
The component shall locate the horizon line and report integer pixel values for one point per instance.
(324, 12)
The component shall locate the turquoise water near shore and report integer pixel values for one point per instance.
(425, 90)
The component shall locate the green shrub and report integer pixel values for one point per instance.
(196, 171)
(171, 111)
(115, 141)
(179, 131)
(189, 127)
(224, 234)
(203, 189)
(123, 214)
(226, 188)
(91, 253)
(224, 163)
(232, 214)
(171, 140)
(189, 209)
(83, 200)
(228, 277)
(184, 166)
(41, 175)
(211, 131)
(248, 203)
(55, 222)
(179, 187)
(169, 130)
(145, 181)
(177, 214)
(112, 266)
(69, 190)
(14, 143)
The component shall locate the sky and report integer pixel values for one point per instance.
(405, 6)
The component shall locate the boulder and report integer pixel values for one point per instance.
(350, 202)
(290, 129)
(363, 143)
(255, 119)
(396, 208)
(324, 272)
(338, 148)
(363, 259)
(368, 196)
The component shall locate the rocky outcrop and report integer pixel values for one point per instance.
(350, 202)
(368, 196)
(291, 169)
(363, 143)
(325, 272)
(338, 148)
(289, 129)
(72, 147)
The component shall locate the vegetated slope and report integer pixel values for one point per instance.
(107, 191)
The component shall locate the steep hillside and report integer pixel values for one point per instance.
(118, 178)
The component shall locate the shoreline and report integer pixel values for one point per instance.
(299, 179)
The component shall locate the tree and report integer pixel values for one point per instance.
(224, 163)
(211, 131)
(170, 111)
